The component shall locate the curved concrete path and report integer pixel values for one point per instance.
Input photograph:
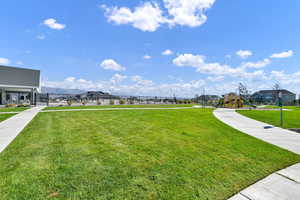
(280, 137)
(10, 128)
(281, 185)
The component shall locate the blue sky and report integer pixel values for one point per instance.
(118, 45)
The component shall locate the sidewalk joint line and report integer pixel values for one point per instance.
(287, 177)
(245, 196)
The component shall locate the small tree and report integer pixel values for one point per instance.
(122, 102)
(244, 93)
(276, 89)
(83, 102)
(99, 102)
(69, 102)
(111, 102)
(131, 101)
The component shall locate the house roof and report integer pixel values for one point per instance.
(15, 76)
(284, 91)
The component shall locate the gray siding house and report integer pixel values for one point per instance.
(18, 85)
(271, 96)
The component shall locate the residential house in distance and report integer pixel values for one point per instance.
(18, 85)
(209, 98)
(271, 96)
(95, 95)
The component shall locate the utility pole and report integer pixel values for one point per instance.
(203, 99)
(280, 104)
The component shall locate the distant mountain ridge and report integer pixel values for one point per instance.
(61, 91)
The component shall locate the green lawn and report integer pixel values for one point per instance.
(134, 154)
(291, 118)
(14, 109)
(121, 106)
(286, 107)
(5, 116)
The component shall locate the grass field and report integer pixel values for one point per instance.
(291, 118)
(134, 154)
(15, 109)
(5, 116)
(285, 107)
(121, 106)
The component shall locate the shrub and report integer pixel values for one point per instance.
(122, 101)
(99, 102)
(23, 105)
(179, 101)
(69, 102)
(111, 102)
(10, 105)
(83, 102)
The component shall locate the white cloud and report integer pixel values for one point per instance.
(167, 52)
(51, 23)
(215, 78)
(139, 86)
(198, 62)
(40, 37)
(142, 87)
(147, 57)
(110, 64)
(117, 78)
(4, 61)
(20, 63)
(244, 53)
(146, 17)
(188, 12)
(284, 54)
(140, 81)
(70, 79)
(292, 79)
(189, 60)
(81, 80)
(149, 16)
(259, 64)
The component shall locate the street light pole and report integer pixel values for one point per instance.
(280, 104)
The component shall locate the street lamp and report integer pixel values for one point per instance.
(280, 104)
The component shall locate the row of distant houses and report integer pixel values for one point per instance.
(18, 85)
(260, 97)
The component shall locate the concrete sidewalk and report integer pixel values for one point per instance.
(281, 185)
(280, 137)
(10, 128)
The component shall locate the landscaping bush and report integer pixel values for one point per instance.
(23, 105)
(83, 102)
(111, 102)
(122, 102)
(10, 105)
(69, 102)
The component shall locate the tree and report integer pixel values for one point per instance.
(244, 92)
(276, 91)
